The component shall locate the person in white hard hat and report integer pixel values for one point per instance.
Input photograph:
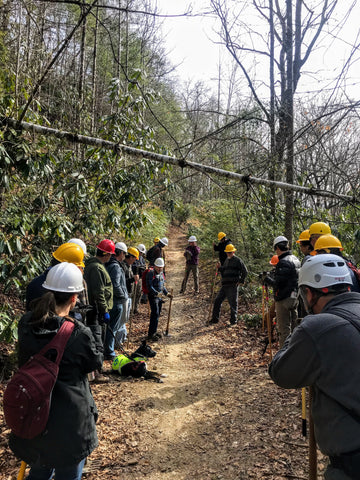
(70, 434)
(156, 286)
(324, 352)
(285, 286)
(117, 330)
(191, 254)
(139, 268)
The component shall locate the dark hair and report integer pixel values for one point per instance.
(283, 246)
(54, 262)
(101, 253)
(331, 290)
(45, 306)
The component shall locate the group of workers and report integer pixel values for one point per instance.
(321, 350)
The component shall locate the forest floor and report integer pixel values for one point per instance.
(215, 415)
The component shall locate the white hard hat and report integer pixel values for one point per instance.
(141, 247)
(64, 277)
(280, 239)
(324, 271)
(192, 238)
(159, 262)
(121, 246)
(164, 241)
(79, 242)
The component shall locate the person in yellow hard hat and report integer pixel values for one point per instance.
(304, 244)
(316, 230)
(331, 244)
(233, 273)
(127, 265)
(220, 247)
(67, 252)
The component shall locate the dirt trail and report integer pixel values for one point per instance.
(216, 415)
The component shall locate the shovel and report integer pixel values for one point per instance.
(168, 320)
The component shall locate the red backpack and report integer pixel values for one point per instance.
(27, 397)
(144, 285)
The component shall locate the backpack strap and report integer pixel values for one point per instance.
(58, 343)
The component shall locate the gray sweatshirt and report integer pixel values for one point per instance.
(324, 351)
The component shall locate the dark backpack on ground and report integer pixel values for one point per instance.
(27, 397)
(144, 284)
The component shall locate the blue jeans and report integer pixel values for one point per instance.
(113, 332)
(72, 472)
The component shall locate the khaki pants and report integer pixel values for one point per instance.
(286, 315)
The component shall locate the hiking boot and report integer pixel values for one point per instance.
(100, 378)
(213, 320)
(154, 337)
(233, 322)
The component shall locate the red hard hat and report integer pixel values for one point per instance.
(107, 246)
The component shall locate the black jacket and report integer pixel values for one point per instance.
(233, 271)
(220, 247)
(70, 434)
(285, 278)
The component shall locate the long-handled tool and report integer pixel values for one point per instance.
(268, 321)
(303, 411)
(312, 442)
(212, 292)
(21, 473)
(263, 308)
(168, 320)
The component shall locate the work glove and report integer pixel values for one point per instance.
(106, 318)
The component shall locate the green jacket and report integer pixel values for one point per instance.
(100, 289)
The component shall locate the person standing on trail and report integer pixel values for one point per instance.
(155, 282)
(157, 251)
(233, 273)
(304, 244)
(100, 290)
(70, 434)
(67, 252)
(323, 352)
(220, 247)
(139, 268)
(131, 256)
(120, 296)
(285, 285)
(191, 254)
(331, 244)
(316, 230)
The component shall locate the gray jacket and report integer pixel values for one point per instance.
(324, 351)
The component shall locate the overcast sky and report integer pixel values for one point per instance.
(190, 44)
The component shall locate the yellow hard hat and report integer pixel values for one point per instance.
(319, 228)
(304, 236)
(156, 239)
(327, 241)
(134, 252)
(221, 235)
(70, 253)
(230, 248)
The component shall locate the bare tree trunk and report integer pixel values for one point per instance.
(94, 67)
(289, 121)
(273, 156)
